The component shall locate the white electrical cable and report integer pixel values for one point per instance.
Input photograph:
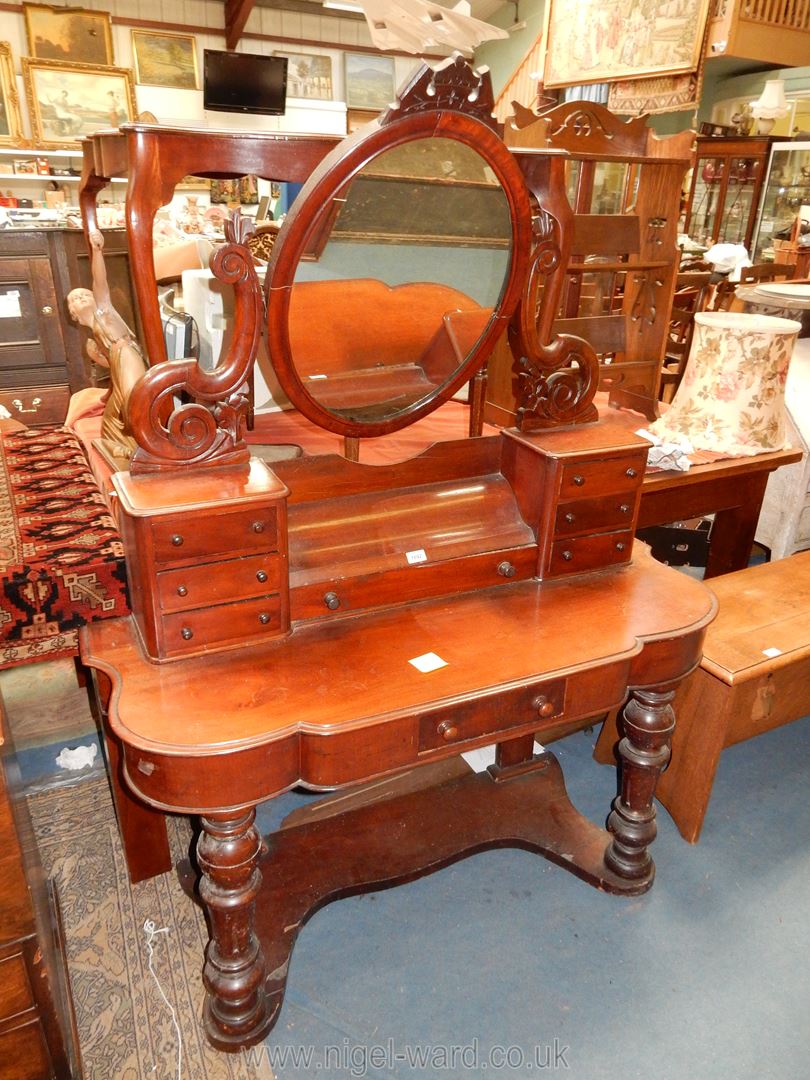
(151, 932)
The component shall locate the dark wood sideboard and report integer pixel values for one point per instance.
(37, 1027)
(42, 351)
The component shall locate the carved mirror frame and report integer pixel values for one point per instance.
(451, 102)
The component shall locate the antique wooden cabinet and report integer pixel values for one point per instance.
(389, 617)
(724, 195)
(37, 1027)
(42, 359)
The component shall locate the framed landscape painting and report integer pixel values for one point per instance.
(10, 124)
(611, 40)
(308, 75)
(66, 101)
(165, 59)
(369, 81)
(72, 35)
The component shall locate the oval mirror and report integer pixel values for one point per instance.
(400, 262)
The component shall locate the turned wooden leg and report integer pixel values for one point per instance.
(236, 1007)
(647, 725)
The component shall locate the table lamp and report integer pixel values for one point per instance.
(731, 398)
(769, 106)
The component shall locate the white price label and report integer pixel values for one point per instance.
(420, 555)
(428, 661)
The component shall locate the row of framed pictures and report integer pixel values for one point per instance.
(67, 101)
(80, 36)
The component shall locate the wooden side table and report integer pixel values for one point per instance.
(754, 676)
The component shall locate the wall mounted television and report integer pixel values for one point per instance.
(244, 82)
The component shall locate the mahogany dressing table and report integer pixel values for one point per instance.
(327, 623)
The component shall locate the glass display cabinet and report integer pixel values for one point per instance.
(786, 196)
(725, 191)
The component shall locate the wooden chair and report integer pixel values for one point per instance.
(724, 294)
(691, 294)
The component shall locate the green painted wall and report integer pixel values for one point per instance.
(503, 57)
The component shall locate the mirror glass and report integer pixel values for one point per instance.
(399, 275)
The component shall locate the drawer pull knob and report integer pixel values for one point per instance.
(182, 590)
(146, 767)
(568, 556)
(570, 518)
(261, 575)
(47, 310)
(332, 601)
(258, 526)
(579, 480)
(631, 472)
(448, 730)
(506, 569)
(624, 508)
(186, 633)
(264, 618)
(544, 706)
(620, 545)
(177, 540)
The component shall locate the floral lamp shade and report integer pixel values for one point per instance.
(732, 395)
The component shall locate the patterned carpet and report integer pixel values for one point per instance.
(125, 1028)
(61, 558)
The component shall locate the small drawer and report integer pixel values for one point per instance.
(586, 515)
(458, 723)
(590, 552)
(195, 631)
(601, 477)
(216, 583)
(183, 539)
(37, 406)
(17, 996)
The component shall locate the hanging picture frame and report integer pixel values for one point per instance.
(369, 81)
(67, 101)
(10, 121)
(309, 75)
(163, 59)
(68, 34)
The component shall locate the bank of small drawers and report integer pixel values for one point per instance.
(206, 601)
(595, 513)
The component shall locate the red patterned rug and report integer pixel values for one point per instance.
(61, 558)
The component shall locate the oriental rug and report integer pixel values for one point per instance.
(126, 1029)
(61, 558)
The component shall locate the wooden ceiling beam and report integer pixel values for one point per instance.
(237, 13)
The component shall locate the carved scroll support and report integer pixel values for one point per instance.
(557, 375)
(228, 851)
(648, 724)
(208, 430)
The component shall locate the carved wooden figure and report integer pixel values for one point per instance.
(114, 346)
(327, 623)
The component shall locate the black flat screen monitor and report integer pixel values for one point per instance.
(244, 82)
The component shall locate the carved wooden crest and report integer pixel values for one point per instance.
(451, 85)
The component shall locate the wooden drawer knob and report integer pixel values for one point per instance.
(624, 508)
(448, 730)
(261, 575)
(332, 601)
(570, 518)
(182, 590)
(568, 556)
(544, 706)
(506, 569)
(177, 540)
(258, 526)
(186, 633)
(579, 480)
(264, 618)
(631, 472)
